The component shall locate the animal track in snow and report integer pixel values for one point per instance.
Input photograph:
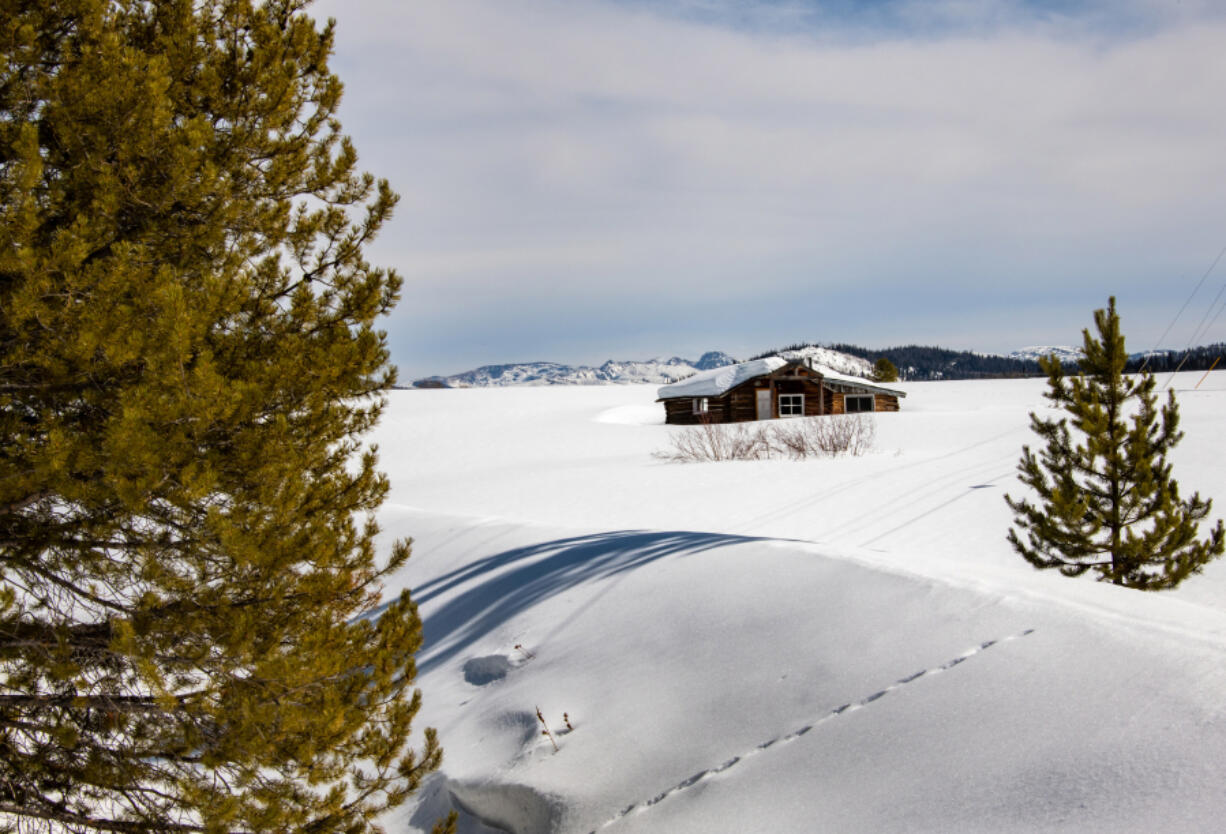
(851, 706)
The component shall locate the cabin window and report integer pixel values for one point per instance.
(791, 405)
(858, 402)
(701, 405)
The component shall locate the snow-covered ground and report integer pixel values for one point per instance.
(826, 645)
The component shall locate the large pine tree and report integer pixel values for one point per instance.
(1106, 499)
(884, 370)
(188, 362)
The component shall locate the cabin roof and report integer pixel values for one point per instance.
(857, 382)
(718, 381)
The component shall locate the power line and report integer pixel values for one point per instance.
(1201, 329)
(1199, 284)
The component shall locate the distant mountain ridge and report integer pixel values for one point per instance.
(613, 372)
(914, 362)
(1156, 361)
(1165, 361)
(1033, 353)
(918, 362)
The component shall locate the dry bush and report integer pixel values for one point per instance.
(852, 434)
(797, 439)
(792, 439)
(717, 441)
(545, 732)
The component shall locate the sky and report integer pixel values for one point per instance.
(591, 179)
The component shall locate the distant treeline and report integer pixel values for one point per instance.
(1197, 359)
(926, 362)
(920, 362)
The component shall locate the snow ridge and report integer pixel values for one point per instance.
(852, 706)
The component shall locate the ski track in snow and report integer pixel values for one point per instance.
(928, 511)
(809, 501)
(852, 706)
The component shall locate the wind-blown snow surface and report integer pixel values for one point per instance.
(827, 645)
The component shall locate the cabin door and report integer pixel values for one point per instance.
(764, 404)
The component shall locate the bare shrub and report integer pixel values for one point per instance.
(747, 444)
(852, 434)
(792, 439)
(717, 441)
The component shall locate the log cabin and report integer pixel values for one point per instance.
(764, 389)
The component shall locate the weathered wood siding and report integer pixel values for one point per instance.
(743, 405)
(744, 398)
(881, 402)
(680, 411)
(809, 387)
(740, 405)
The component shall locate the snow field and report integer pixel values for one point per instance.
(829, 645)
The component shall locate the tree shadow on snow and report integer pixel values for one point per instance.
(494, 589)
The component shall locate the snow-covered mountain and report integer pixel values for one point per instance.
(658, 371)
(913, 362)
(843, 363)
(1070, 355)
(1033, 353)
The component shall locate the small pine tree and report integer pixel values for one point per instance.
(191, 636)
(1106, 499)
(885, 371)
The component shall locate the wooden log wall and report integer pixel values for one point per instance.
(680, 412)
(741, 403)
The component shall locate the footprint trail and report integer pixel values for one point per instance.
(851, 706)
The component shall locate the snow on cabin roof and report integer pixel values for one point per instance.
(716, 381)
(721, 380)
(857, 382)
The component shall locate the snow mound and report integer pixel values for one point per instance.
(515, 808)
(631, 415)
(485, 807)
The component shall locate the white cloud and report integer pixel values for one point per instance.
(541, 142)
